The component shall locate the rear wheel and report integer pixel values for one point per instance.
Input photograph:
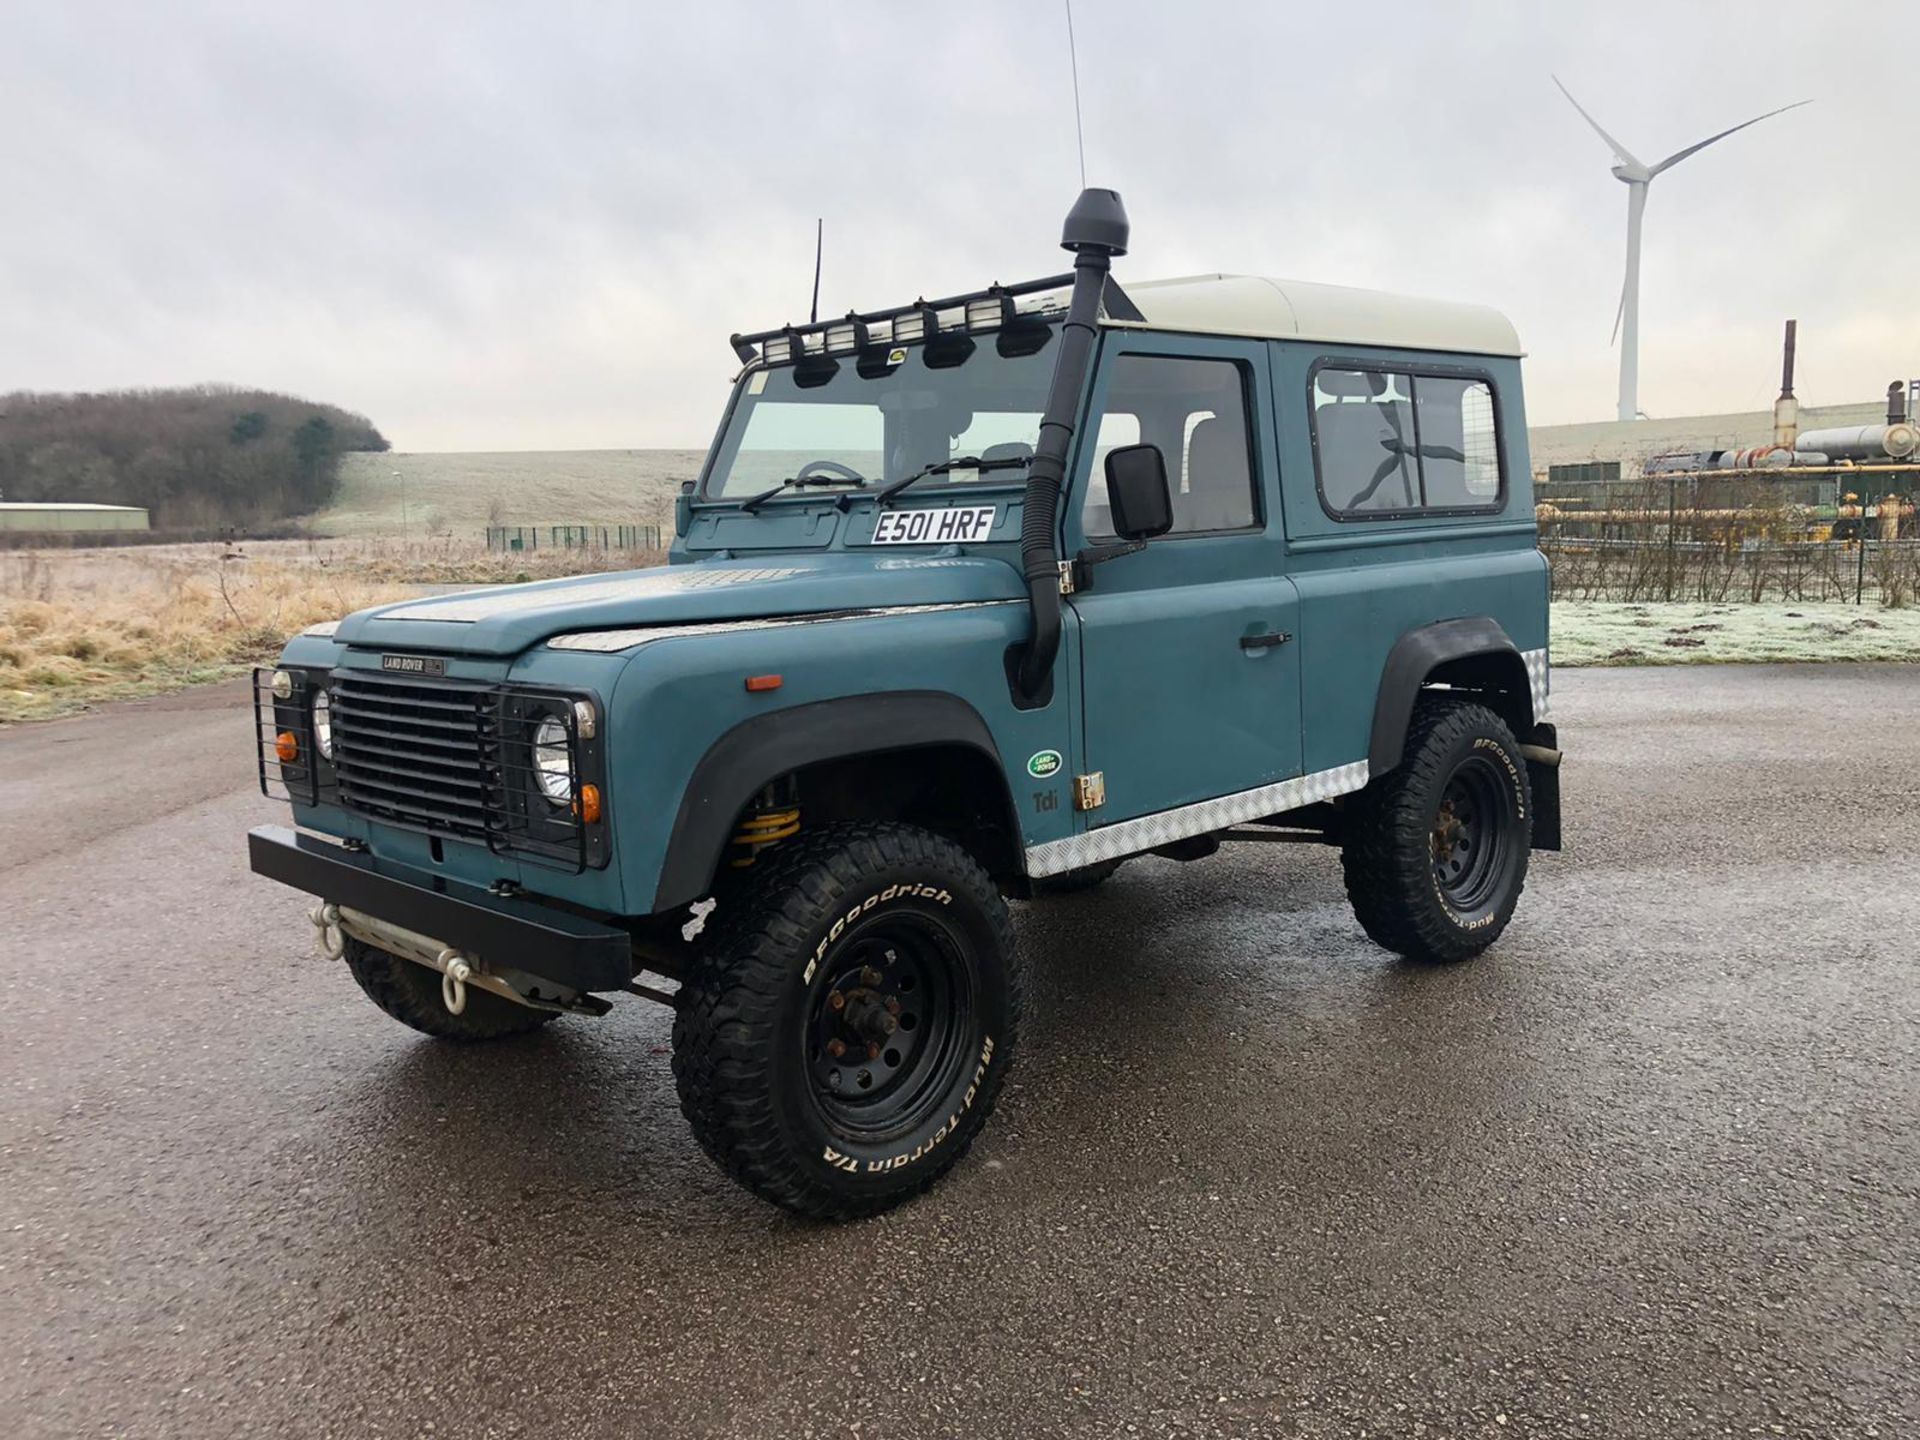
(852, 1019)
(1436, 850)
(410, 993)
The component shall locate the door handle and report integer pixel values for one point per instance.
(1268, 641)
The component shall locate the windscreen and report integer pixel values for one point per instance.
(887, 415)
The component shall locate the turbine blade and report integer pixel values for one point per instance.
(1619, 314)
(1679, 155)
(1625, 155)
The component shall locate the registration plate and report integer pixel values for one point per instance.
(950, 525)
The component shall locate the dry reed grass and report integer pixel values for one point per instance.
(78, 626)
(71, 634)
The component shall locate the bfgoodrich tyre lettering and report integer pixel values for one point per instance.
(850, 1023)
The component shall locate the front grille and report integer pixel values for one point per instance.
(458, 760)
(417, 755)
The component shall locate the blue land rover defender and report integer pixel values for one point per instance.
(974, 598)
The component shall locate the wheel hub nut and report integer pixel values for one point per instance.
(867, 1016)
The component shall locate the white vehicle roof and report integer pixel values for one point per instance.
(1302, 310)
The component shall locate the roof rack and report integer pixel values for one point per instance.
(990, 309)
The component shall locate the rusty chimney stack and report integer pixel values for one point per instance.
(1786, 410)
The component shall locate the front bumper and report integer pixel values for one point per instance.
(569, 950)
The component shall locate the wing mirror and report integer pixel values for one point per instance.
(1137, 491)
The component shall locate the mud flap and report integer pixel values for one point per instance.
(1543, 778)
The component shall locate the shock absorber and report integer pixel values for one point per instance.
(773, 817)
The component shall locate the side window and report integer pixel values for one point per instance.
(1387, 442)
(1363, 432)
(1458, 457)
(1117, 428)
(1196, 412)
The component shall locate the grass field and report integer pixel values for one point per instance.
(82, 626)
(1598, 632)
(462, 494)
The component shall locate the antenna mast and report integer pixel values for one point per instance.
(1073, 59)
(819, 235)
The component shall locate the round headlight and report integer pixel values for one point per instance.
(552, 765)
(323, 723)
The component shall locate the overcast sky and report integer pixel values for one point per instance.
(533, 227)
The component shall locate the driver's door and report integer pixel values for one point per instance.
(1190, 665)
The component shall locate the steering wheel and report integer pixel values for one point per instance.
(819, 467)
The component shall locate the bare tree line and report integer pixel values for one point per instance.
(201, 457)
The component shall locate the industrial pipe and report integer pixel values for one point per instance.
(1786, 410)
(1863, 442)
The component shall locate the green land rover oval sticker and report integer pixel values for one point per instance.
(1043, 763)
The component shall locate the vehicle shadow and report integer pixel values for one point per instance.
(1236, 1009)
(1171, 1011)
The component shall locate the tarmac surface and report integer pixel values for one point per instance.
(1651, 1167)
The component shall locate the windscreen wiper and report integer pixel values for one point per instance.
(941, 467)
(797, 482)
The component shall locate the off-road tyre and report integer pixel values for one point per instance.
(756, 1021)
(410, 993)
(1407, 895)
(1075, 881)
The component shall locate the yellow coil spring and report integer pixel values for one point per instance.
(762, 829)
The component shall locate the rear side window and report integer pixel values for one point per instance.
(1390, 442)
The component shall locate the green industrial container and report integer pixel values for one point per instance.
(70, 518)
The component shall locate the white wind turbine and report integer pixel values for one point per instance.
(1637, 177)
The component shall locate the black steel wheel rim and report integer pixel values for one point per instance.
(888, 1026)
(1470, 836)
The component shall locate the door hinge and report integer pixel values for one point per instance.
(1066, 577)
(1090, 791)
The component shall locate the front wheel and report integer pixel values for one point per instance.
(849, 1025)
(1436, 849)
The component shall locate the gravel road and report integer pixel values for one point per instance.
(1650, 1168)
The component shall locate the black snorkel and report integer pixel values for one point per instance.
(1096, 232)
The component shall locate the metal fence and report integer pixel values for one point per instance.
(1716, 539)
(510, 538)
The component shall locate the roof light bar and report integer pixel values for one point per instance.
(988, 309)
